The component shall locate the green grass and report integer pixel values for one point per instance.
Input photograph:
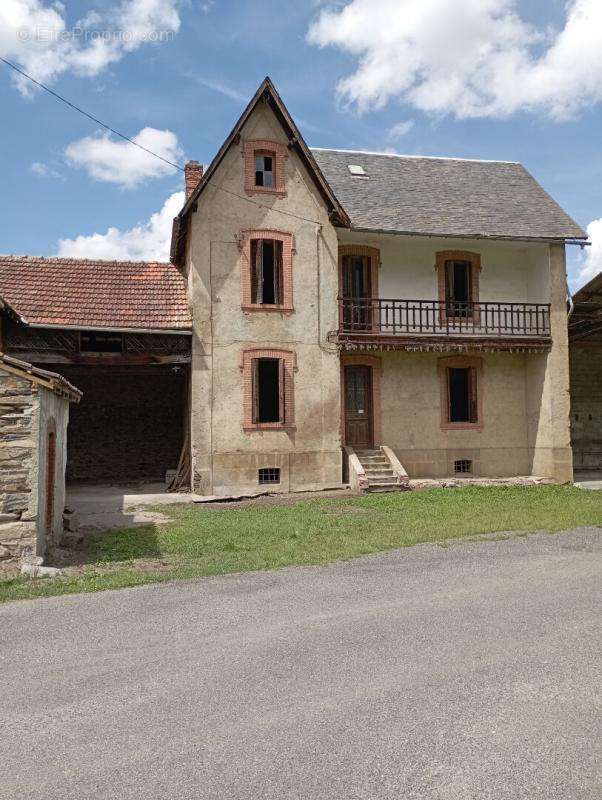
(212, 541)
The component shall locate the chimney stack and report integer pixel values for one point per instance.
(193, 172)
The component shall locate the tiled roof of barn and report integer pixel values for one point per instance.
(81, 293)
(444, 196)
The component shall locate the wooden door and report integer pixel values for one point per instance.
(359, 425)
(50, 483)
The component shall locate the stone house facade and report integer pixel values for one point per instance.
(417, 305)
(34, 412)
(327, 316)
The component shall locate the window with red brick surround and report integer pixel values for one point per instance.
(256, 148)
(451, 309)
(249, 269)
(250, 366)
(458, 376)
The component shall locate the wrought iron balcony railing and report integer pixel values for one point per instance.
(384, 317)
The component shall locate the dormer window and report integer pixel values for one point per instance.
(264, 169)
(264, 166)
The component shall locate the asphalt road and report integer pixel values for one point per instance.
(462, 672)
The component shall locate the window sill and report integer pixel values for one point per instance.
(265, 190)
(281, 308)
(461, 426)
(269, 426)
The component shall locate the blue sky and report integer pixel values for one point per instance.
(355, 75)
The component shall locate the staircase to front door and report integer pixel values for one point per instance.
(379, 472)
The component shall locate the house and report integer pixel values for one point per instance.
(585, 340)
(34, 410)
(325, 312)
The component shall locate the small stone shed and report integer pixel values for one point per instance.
(34, 412)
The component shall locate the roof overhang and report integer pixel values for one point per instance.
(42, 377)
(469, 235)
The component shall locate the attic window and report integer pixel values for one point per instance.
(357, 171)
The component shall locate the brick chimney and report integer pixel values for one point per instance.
(193, 172)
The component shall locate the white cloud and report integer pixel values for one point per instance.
(470, 58)
(42, 170)
(147, 241)
(589, 264)
(111, 161)
(400, 129)
(35, 35)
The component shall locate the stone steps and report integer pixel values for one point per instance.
(379, 474)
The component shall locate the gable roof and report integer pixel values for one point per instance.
(69, 292)
(444, 197)
(266, 91)
(43, 377)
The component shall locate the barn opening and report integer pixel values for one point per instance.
(129, 425)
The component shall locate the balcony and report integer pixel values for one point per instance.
(380, 323)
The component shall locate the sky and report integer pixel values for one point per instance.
(515, 80)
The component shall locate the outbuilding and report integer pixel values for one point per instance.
(585, 338)
(34, 412)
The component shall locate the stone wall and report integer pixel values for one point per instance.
(586, 405)
(19, 421)
(129, 424)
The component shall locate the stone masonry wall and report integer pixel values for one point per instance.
(19, 411)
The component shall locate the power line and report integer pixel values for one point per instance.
(85, 113)
(146, 150)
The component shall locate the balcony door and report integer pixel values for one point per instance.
(357, 292)
(359, 420)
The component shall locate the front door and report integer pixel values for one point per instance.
(358, 406)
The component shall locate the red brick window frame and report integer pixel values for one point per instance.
(362, 316)
(252, 148)
(286, 276)
(474, 365)
(447, 309)
(287, 367)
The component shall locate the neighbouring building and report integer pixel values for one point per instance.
(121, 333)
(325, 312)
(585, 338)
(34, 411)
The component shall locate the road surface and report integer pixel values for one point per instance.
(469, 671)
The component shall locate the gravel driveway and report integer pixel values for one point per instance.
(469, 671)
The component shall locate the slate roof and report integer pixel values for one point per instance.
(52, 380)
(444, 197)
(95, 294)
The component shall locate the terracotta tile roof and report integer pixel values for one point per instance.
(95, 294)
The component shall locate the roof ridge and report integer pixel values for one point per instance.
(408, 155)
(69, 260)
